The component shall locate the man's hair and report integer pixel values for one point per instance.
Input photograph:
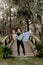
(20, 29)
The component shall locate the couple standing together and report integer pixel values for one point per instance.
(19, 42)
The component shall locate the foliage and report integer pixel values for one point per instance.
(0, 42)
(0, 50)
(39, 47)
(6, 51)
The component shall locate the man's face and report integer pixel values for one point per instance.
(18, 30)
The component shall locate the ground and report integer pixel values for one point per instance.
(21, 61)
(28, 50)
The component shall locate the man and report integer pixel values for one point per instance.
(20, 42)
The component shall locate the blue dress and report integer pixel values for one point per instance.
(24, 36)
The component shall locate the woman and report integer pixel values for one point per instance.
(14, 35)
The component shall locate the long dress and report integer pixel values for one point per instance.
(24, 36)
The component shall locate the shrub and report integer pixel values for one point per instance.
(6, 51)
(39, 47)
(1, 43)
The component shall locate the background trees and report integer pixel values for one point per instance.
(19, 11)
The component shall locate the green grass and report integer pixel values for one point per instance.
(1, 37)
(18, 61)
(0, 51)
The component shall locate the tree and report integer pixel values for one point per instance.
(40, 10)
(24, 11)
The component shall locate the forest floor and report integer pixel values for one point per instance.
(21, 61)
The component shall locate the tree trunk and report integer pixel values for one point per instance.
(27, 24)
(42, 32)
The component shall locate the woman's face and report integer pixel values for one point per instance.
(14, 32)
